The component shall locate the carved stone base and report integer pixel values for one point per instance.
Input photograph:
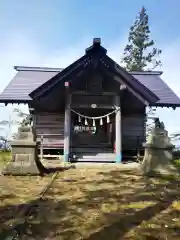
(158, 161)
(23, 159)
(17, 168)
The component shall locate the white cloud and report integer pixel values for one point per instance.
(22, 51)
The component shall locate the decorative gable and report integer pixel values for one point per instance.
(94, 84)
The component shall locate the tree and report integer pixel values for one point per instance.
(175, 137)
(5, 145)
(6, 125)
(21, 119)
(26, 118)
(150, 120)
(139, 53)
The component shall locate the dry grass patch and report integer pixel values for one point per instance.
(16, 193)
(107, 204)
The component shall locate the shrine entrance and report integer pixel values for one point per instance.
(92, 128)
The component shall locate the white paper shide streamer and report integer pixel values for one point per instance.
(79, 118)
(100, 118)
(86, 122)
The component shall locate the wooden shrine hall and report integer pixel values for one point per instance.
(93, 110)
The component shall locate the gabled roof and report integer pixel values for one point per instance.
(32, 80)
(95, 57)
(153, 81)
(24, 82)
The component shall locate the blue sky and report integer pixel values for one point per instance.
(55, 33)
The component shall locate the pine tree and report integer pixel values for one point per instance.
(136, 55)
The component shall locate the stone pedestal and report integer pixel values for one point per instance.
(23, 155)
(158, 153)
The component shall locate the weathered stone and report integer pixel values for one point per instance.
(25, 133)
(20, 168)
(158, 153)
(23, 155)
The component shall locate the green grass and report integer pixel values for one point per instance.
(4, 158)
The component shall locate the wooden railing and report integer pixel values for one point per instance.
(129, 143)
(41, 142)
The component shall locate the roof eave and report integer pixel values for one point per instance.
(44, 87)
(39, 69)
(147, 73)
(14, 101)
(168, 105)
(144, 91)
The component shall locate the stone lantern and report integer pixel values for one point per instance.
(158, 151)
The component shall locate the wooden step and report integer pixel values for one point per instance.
(88, 145)
(51, 156)
(97, 156)
(91, 150)
(98, 160)
(100, 157)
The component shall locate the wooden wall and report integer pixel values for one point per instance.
(133, 131)
(89, 99)
(95, 84)
(51, 126)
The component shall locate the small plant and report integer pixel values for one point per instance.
(176, 153)
(177, 162)
(59, 156)
(5, 156)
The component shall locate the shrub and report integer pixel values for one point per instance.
(176, 153)
(177, 162)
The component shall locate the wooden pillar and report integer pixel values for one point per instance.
(41, 148)
(67, 124)
(33, 114)
(118, 134)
